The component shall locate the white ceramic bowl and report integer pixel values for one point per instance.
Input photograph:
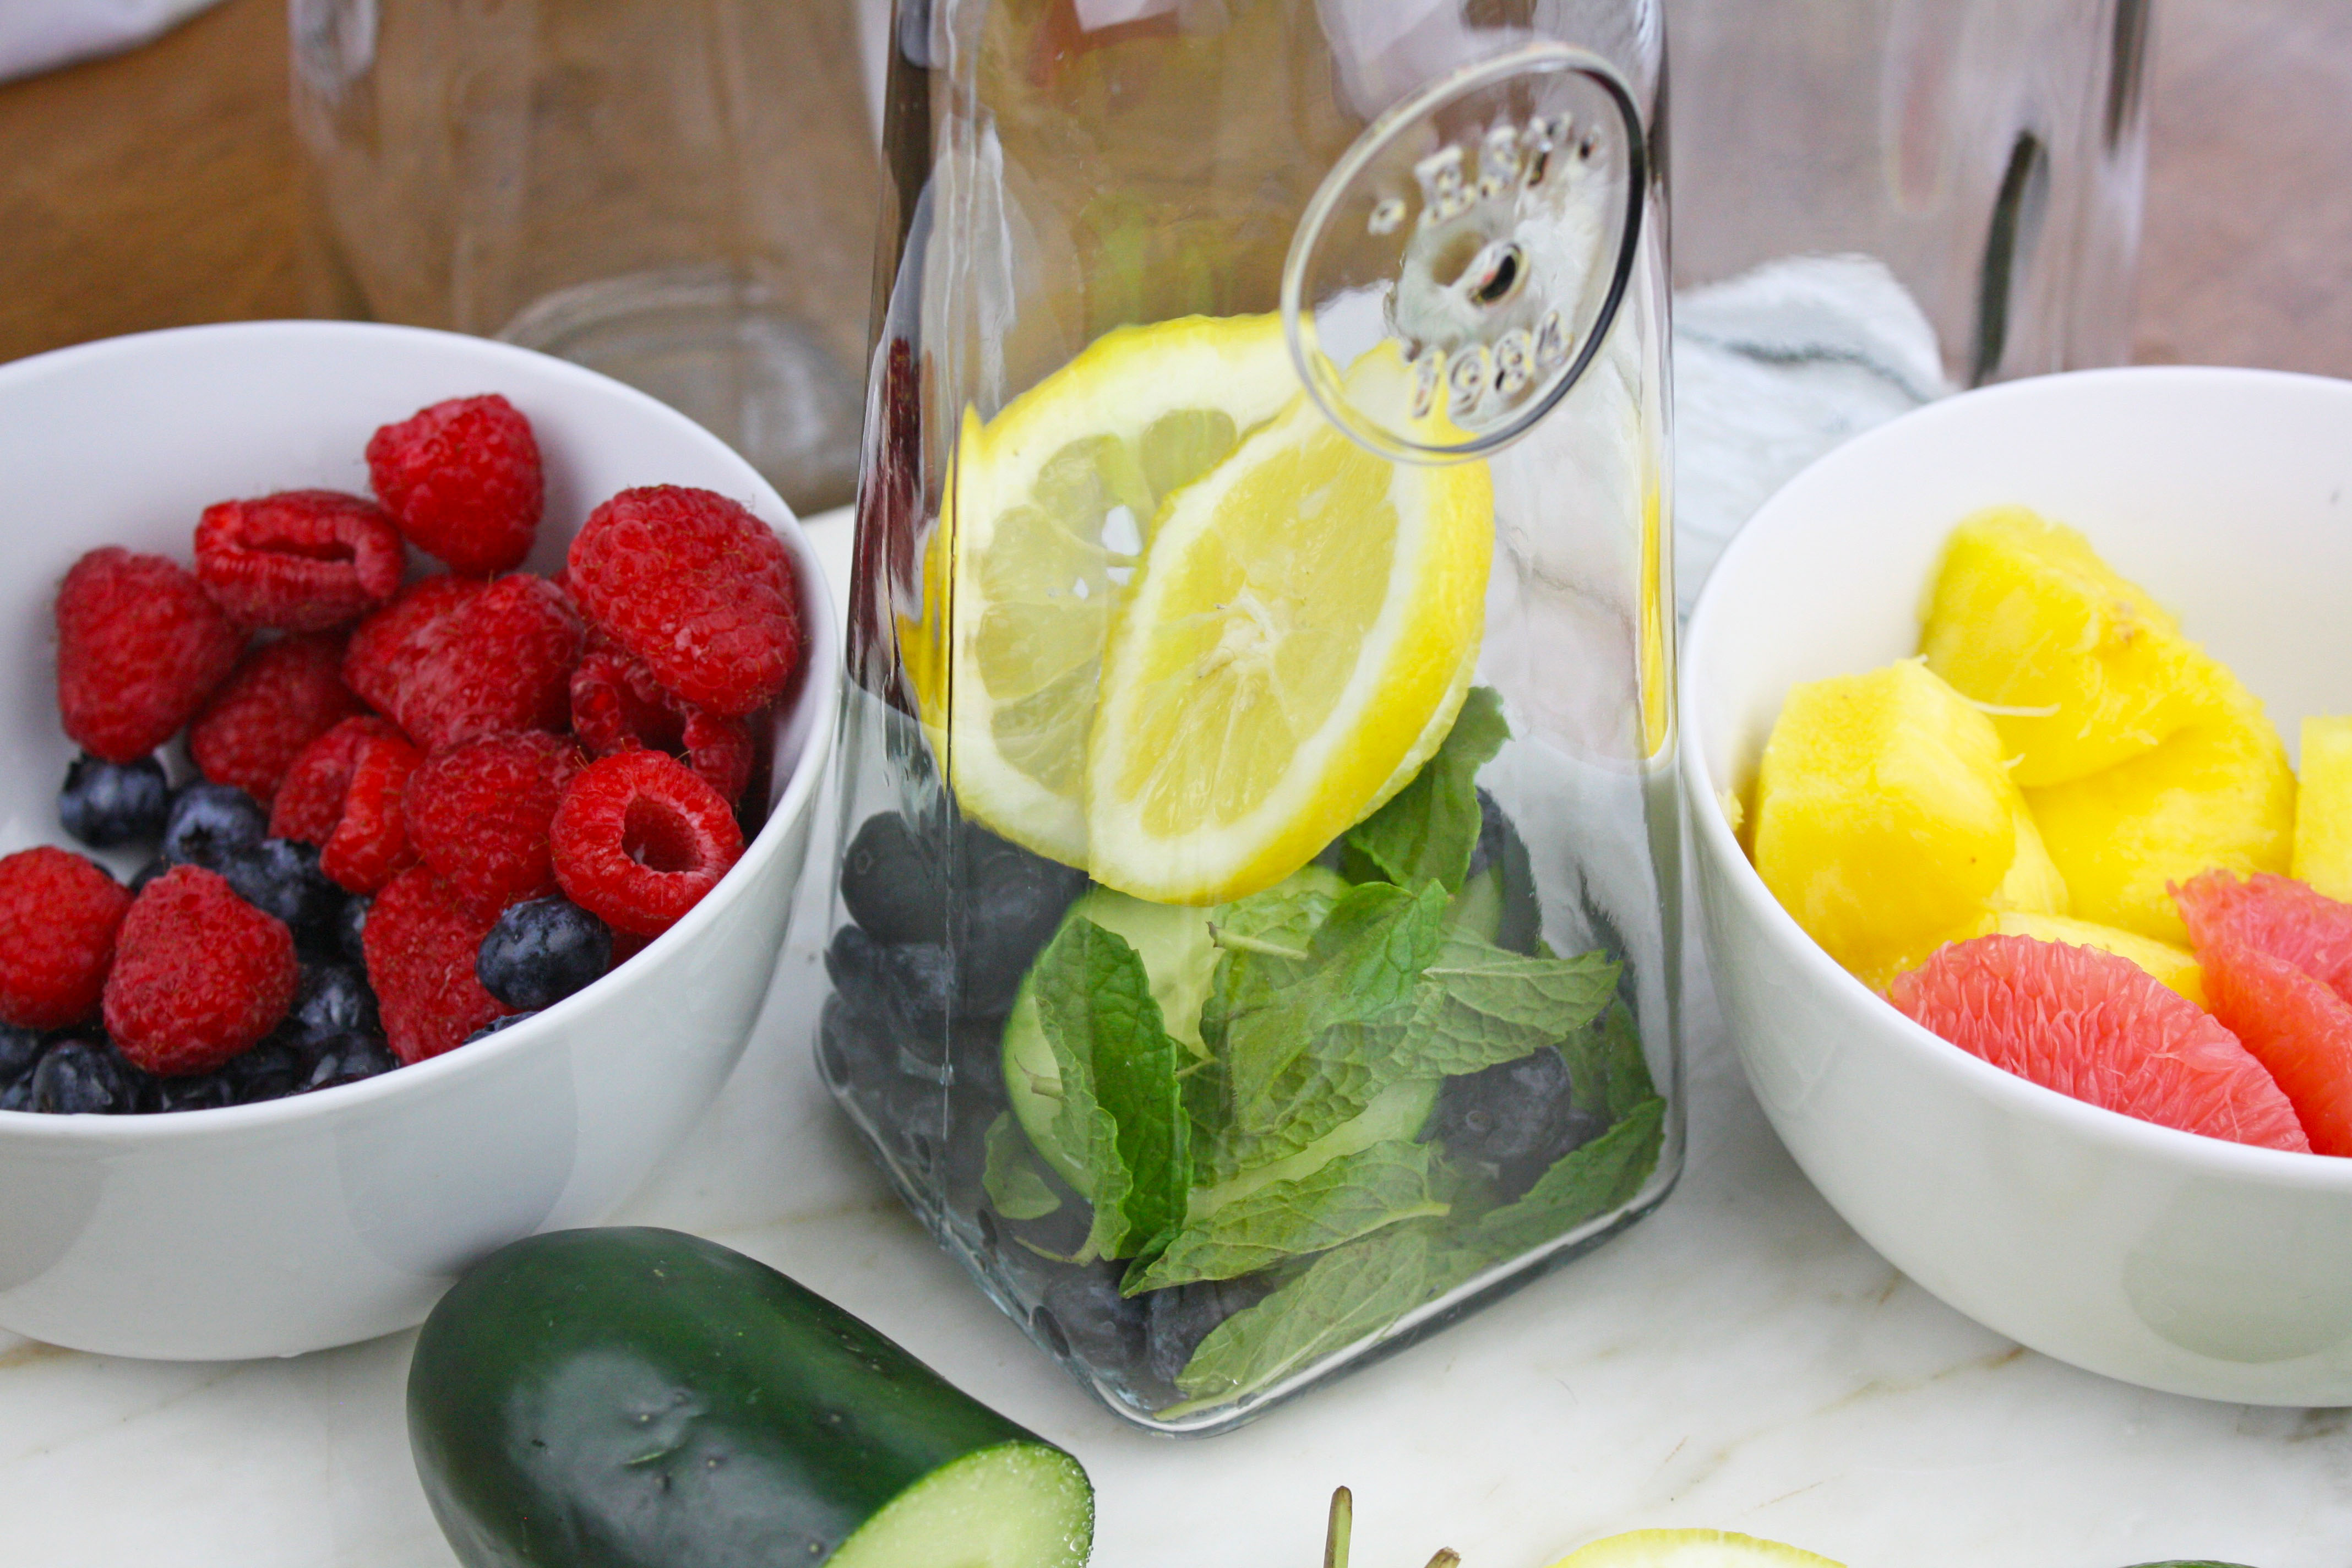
(2177, 1262)
(281, 1228)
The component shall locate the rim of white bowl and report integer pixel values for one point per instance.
(819, 679)
(1763, 533)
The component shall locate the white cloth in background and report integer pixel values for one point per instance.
(41, 35)
(1773, 368)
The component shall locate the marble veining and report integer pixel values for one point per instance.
(1739, 1360)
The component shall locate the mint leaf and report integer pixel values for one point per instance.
(1427, 830)
(1491, 1006)
(1340, 1200)
(1343, 1296)
(1291, 1069)
(1122, 1102)
(1605, 1062)
(1601, 1176)
(1015, 1187)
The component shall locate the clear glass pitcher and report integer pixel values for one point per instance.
(1881, 202)
(1254, 937)
(677, 192)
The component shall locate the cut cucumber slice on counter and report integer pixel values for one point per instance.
(638, 1398)
(1690, 1548)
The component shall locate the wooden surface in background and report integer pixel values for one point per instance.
(160, 187)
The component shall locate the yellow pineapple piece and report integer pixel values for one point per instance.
(2034, 885)
(2175, 967)
(2080, 668)
(2218, 793)
(1884, 821)
(2322, 808)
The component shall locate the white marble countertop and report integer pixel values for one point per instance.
(1740, 1360)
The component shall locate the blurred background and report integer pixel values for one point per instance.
(163, 186)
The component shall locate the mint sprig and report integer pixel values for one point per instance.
(1427, 830)
(1348, 1197)
(1346, 1294)
(1122, 1102)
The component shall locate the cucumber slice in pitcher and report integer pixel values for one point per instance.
(638, 1398)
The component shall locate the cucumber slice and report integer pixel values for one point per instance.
(958, 1517)
(636, 1399)
(1690, 1548)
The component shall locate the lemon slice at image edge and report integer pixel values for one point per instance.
(1297, 642)
(1050, 511)
(1691, 1549)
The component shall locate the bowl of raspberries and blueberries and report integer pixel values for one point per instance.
(405, 728)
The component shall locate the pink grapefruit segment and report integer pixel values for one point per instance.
(2276, 915)
(2101, 1029)
(2298, 1028)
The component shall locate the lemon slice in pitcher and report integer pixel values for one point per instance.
(1297, 641)
(1052, 504)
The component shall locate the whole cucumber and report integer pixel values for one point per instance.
(639, 1398)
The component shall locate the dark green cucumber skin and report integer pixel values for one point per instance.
(640, 1398)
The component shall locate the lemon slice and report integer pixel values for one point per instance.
(1297, 642)
(1690, 1548)
(1051, 508)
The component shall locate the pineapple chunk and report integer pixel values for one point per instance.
(2322, 808)
(2023, 615)
(2219, 792)
(1884, 821)
(2034, 884)
(2175, 967)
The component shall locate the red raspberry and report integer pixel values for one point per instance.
(139, 649)
(421, 943)
(696, 586)
(283, 695)
(479, 814)
(637, 840)
(462, 480)
(618, 706)
(58, 916)
(301, 560)
(343, 795)
(199, 975)
(453, 659)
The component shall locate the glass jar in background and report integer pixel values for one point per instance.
(1879, 202)
(677, 192)
(1254, 940)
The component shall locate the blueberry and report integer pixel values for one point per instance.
(148, 873)
(195, 1091)
(1009, 903)
(106, 805)
(905, 990)
(891, 882)
(540, 951)
(495, 1025)
(351, 930)
(281, 876)
(1511, 1120)
(209, 820)
(348, 1061)
(331, 999)
(79, 1077)
(852, 1052)
(271, 1070)
(1501, 849)
(1082, 1314)
(20, 1052)
(1179, 1318)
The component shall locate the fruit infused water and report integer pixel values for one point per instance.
(1255, 921)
